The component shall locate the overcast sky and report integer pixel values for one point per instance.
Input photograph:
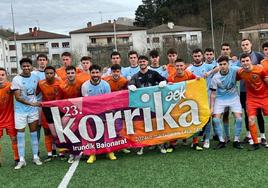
(63, 16)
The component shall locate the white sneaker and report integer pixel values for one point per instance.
(140, 152)
(37, 161)
(20, 165)
(251, 142)
(126, 150)
(162, 149)
(71, 159)
(206, 145)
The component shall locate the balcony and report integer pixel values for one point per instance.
(103, 46)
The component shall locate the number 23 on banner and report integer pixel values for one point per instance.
(71, 110)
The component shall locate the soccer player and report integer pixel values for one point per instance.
(26, 112)
(154, 55)
(7, 113)
(115, 59)
(66, 59)
(86, 62)
(50, 90)
(223, 95)
(264, 62)
(226, 51)
(201, 69)
(256, 58)
(209, 56)
(92, 87)
(128, 72)
(182, 75)
(146, 78)
(256, 81)
(172, 56)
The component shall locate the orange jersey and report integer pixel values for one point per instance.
(116, 85)
(61, 72)
(171, 69)
(264, 63)
(255, 86)
(176, 78)
(83, 76)
(6, 106)
(71, 90)
(50, 92)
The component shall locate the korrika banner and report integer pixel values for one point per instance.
(127, 119)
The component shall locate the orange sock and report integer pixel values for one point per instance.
(254, 133)
(195, 140)
(15, 150)
(48, 142)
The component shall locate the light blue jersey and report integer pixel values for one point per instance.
(41, 75)
(109, 71)
(225, 85)
(128, 72)
(27, 86)
(160, 70)
(88, 89)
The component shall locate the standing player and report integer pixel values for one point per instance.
(92, 87)
(26, 111)
(155, 64)
(128, 72)
(115, 59)
(7, 113)
(146, 78)
(172, 56)
(223, 95)
(264, 62)
(256, 81)
(209, 56)
(86, 62)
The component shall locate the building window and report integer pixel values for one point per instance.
(55, 45)
(93, 40)
(148, 40)
(55, 56)
(156, 40)
(66, 45)
(109, 40)
(193, 38)
(125, 39)
(13, 58)
(12, 47)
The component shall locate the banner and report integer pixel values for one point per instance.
(126, 119)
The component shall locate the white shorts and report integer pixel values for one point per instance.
(234, 105)
(22, 120)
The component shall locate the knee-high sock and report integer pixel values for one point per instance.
(38, 132)
(21, 144)
(226, 129)
(15, 149)
(238, 128)
(218, 128)
(254, 133)
(207, 131)
(260, 121)
(48, 143)
(34, 142)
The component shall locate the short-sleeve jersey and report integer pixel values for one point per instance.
(89, 89)
(83, 76)
(72, 90)
(6, 106)
(61, 72)
(171, 69)
(50, 92)
(176, 78)
(116, 85)
(27, 86)
(160, 70)
(41, 75)
(128, 72)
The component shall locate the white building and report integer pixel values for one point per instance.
(170, 36)
(37, 42)
(4, 57)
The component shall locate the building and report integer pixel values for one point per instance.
(100, 40)
(173, 36)
(36, 42)
(4, 56)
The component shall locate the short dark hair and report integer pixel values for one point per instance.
(197, 50)
(209, 50)
(115, 67)
(244, 55)
(26, 60)
(225, 44)
(50, 68)
(95, 66)
(42, 55)
(86, 58)
(132, 52)
(3, 69)
(71, 67)
(115, 53)
(154, 53)
(244, 39)
(179, 60)
(143, 57)
(66, 54)
(264, 45)
(223, 58)
(171, 51)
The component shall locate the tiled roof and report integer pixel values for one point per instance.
(107, 27)
(39, 35)
(255, 27)
(165, 29)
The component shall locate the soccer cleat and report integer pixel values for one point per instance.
(71, 159)
(237, 145)
(111, 156)
(170, 149)
(251, 141)
(247, 139)
(215, 138)
(162, 149)
(54, 153)
(91, 159)
(140, 152)
(227, 139)
(20, 165)
(220, 145)
(37, 161)
(126, 150)
(263, 142)
(62, 157)
(49, 158)
(254, 147)
(197, 147)
(206, 145)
